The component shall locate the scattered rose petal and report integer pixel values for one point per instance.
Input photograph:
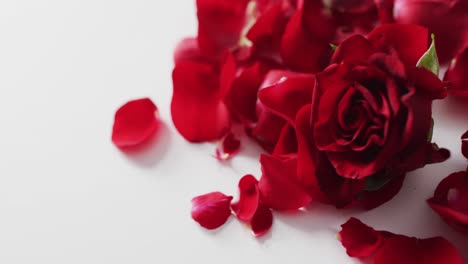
(358, 239)
(211, 210)
(135, 122)
(249, 198)
(227, 147)
(261, 221)
(197, 109)
(450, 200)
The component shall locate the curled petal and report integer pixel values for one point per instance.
(428, 84)
(227, 147)
(358, 239)
(278, 185)
(197, 110)
(373, 199)
(187, 49)
(261, 221)
(450, 200)
(249, 198)
(211, 210)
(135, 122)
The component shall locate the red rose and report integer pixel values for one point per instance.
(450, 200)
(456, 74)
(369, 119)
(447, 19)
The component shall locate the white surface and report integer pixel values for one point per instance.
(67, 195)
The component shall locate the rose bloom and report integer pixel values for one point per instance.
(360, 124)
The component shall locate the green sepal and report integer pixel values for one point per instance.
(429, 59)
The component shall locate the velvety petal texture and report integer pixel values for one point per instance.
(211, 210)
(358, 239)
(135, 122)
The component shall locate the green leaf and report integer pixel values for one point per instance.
(333, 46)
(429, 59)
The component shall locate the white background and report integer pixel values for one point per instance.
(67, 195)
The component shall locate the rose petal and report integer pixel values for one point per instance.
(409, 41)
(428, 84)
(358, 239)
(354, 49)
(286, 97)
(300, 50)
(227, 147)
(268, 129)
(408, 250)
(220, 23)
(450, 200)
(188, 49)
(456, 74)
(249, 198)
(261, 221)
(278, 185)
(373, 199)
(211, 210)
(197, 109)
(135, 122)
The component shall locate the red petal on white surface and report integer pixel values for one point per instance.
(211, 210)
(135, 122)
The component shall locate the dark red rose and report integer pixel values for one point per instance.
(456, 74)
(447, 19)
(362, 241)
(450, 200)
(369, 119)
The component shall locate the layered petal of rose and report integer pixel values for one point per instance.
(135, 122)
(211, 210)
(456, 74)
(220, 23)
(267, 130)
(197, 106)
(303, 48)
(279, 186)
(227, 147)
(288, 95)
(445, 18)
(384, 247)
(409, 41)
(450, 200)
(250, 209)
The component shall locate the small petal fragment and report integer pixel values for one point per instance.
(227, 147)
(249, 197)
(135, 122)
(211, 210)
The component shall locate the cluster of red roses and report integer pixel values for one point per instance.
(339, 93)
